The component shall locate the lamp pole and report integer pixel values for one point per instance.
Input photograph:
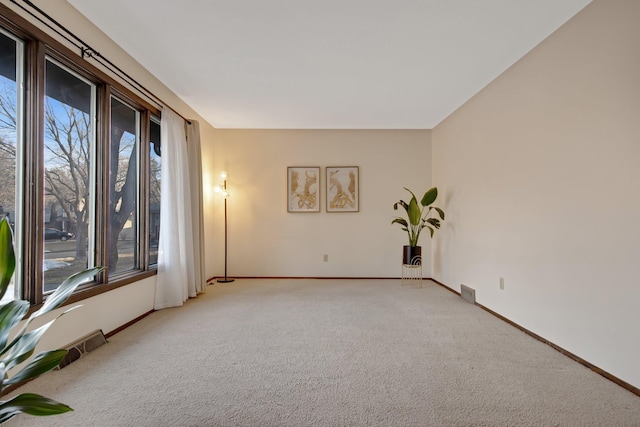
(225, 194)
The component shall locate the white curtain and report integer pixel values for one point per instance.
(175, 281)
(197, 214)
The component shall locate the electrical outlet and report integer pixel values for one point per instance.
(502, 283)
(325, 258)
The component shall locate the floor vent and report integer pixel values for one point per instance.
(84, 345)
(468, 294)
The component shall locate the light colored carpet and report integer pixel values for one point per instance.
(329, 353)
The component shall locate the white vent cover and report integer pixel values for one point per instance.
(468, 294)
(84, 345)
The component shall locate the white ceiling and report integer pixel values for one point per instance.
(327, 64)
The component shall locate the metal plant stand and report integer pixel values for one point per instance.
(412, 273)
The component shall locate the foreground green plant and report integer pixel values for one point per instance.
(18, 343)
(417, 218)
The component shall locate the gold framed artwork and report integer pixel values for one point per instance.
(343, 188)
(303, 189)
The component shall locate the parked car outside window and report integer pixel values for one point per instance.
(54, 234)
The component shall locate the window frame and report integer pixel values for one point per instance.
(39, 45)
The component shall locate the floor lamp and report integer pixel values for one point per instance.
(223, 189)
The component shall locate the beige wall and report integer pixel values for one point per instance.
(541, 175)
(266, 240)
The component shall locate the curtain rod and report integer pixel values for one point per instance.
(87, 52)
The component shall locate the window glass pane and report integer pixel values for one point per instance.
(155, 165)
(123, 180)
(69, 166)
(10, 103)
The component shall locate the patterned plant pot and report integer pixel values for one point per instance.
(412, 255)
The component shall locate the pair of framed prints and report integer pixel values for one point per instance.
(341, 183)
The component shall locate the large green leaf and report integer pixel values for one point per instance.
(23, 346)
(3, 374)
(414, 212)
(429, 197)
(401, 203)
(43, 362)
(435, 222)
(400, 221)
(66, 288)
(10, 315)
(7, 256)
(32, 404)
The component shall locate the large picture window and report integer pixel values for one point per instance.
(80, 162)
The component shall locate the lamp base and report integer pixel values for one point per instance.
(225, 280)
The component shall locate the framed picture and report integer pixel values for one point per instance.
(303, 189)
(343, 189)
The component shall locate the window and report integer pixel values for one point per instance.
(79, 168)
(155, 164)
(123, 188)
(69, 169)
(11, 80)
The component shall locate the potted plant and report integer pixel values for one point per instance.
(418, 217)
(18, 343)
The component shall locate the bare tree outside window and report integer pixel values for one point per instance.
(69, 162)
(7, 164)
(123, 183)
(9, 77)
(155, 169)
